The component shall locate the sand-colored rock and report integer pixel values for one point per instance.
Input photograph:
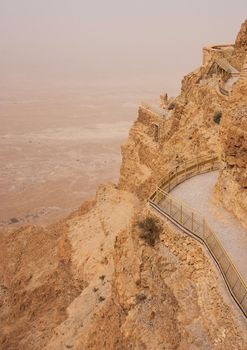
(241, 40)
(43, 271)
(232, 185)
(189, 130)
(90, 281)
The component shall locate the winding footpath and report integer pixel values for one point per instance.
(190, 185)
(230, 232)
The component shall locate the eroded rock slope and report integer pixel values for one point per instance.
(91, 282)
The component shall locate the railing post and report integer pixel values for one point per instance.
(203, 227)
(160, 196)
(156, 198)
(228, 268)
(238, 287)
(243, 298)
(235, 284)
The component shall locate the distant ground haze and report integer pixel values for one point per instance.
(72, 77)
(56, 149)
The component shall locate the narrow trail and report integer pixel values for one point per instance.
(185, 197)
(197, 192)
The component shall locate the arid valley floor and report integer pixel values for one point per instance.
(57, 145)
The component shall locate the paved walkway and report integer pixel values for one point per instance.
(228, 85)
(197, 193)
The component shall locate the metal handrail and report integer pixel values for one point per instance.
(223, 91)
(176, 211)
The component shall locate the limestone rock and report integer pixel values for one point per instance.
(232, 185)
(241, 40)
(89, 282)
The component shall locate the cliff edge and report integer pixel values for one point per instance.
(91, 281)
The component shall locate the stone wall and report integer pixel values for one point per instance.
(213, 52)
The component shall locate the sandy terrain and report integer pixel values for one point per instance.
(56, 147)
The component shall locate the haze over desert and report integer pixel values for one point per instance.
(123, 175)
(59, 141)
(70, 89)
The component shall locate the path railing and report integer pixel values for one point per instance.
(194, 224)
(223, 91)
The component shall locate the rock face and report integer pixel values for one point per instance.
(188, 130)
(58, 278)
(96, 285)
(231, 188)
(241, 46)
(232, 184)
(241, 40)
(90, 281)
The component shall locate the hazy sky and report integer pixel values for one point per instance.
(112, 40)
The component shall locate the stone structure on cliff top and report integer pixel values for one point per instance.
(90, 282)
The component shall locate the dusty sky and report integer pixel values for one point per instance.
(72, 74)
(136, 42)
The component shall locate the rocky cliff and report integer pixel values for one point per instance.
(92, 282)
(241, 44)
(232, 184)
(241, 40)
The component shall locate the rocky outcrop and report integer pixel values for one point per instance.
(240, 47)
(54, 280)
(91, 282)
(157, 294)
(241, 40)
(189, 130)
(232, 184)
(231, 188)
(97, 285)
